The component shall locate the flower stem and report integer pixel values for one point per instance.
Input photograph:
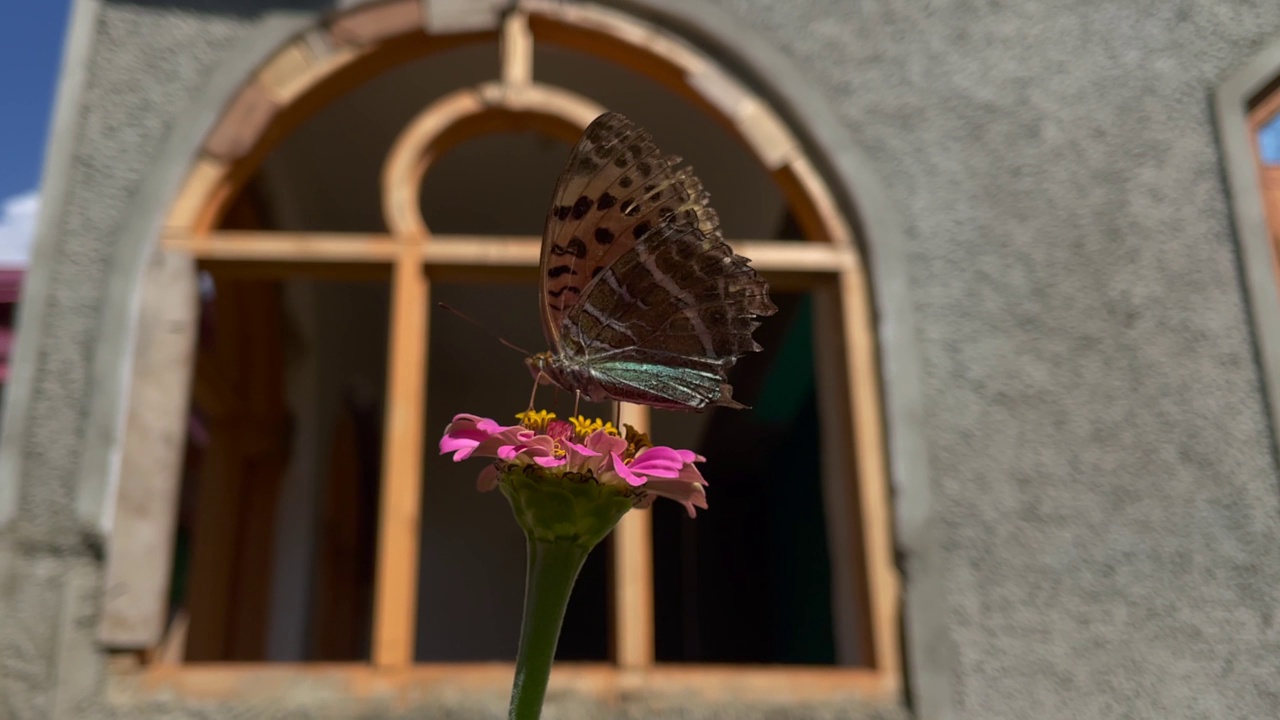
(553, 568)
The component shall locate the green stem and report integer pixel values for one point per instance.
(553, 568)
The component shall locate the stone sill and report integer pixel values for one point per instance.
(480, 689)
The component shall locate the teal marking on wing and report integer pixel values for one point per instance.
(649, 382)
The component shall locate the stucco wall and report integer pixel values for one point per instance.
(1098, 441)
(1094, 418)
(145, 62)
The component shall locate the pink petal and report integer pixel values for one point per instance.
(493, 428)
(461, 443)
(488, 479)
(539, 445)
(549, 461)
(604, 443)
(466, 419)
(461, 437)
(580, 449)
(578, 456)
(509, 436)
(486, 425)
(691, 495)
(689, 473)
(621, 468)
(470, 435)
(690, 456)
(659, 461)
(531, 447)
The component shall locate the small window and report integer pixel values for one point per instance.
(1247, 118)
(1269, 142)
(1264, 126)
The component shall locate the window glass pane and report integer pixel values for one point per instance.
(279, 501)
(326, 175)
(749, 580)
(471, 583)
(1269, 141)
(494, 184)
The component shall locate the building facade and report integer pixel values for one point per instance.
(1013, 446)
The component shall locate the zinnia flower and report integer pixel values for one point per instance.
(579, 449)
(569, 483)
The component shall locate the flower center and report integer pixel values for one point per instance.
(577, 427)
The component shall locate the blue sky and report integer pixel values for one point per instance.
(29, 58)
(1269, 141)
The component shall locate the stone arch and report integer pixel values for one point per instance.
(288, 64)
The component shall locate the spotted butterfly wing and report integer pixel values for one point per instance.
(642, 300)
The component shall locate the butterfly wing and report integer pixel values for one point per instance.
(664, 322)
(615, 187)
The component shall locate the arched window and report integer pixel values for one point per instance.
(388, 160)
(1264, 129)
(1247, 106)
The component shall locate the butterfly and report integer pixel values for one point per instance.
(641, 298)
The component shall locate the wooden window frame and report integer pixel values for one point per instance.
(1268, 175)
(322, 65)
(1241, 102)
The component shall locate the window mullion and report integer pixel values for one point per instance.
(396, 579)
(633, 631)
(276, 246)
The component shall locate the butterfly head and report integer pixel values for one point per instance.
(541, 367)
(548, 369)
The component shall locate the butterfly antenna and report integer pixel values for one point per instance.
(491, 333)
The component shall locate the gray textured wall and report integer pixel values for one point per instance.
(1094, 415)
(146, 62)
(1095, 420)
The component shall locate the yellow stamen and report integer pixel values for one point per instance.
(581, 425)
(535, 420)
(584, 426)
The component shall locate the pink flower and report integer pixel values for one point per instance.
(579, 446)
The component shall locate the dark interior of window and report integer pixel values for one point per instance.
(749, 580)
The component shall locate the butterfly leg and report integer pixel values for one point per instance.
(533, 394)
(577, 397)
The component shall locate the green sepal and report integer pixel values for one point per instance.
(568, 507)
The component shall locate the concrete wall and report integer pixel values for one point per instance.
(1099, 446)
(129, 70)
(1095, 420)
